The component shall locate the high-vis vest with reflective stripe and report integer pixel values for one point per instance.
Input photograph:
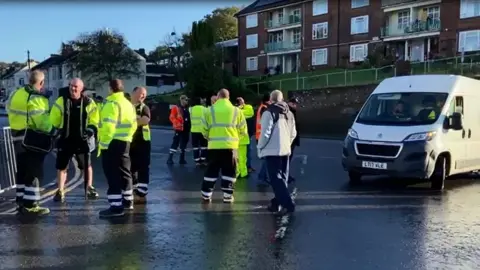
(145, 128)
(197, 113)
(258, 126)
(244, 138)
(37, 107)
(57, 113)
(223, 125)
(118, 120)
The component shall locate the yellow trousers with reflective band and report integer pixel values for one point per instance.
(242, 170)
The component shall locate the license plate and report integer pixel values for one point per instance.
(374, 165)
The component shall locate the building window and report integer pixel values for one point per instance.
(432, 12)
(21, 82)
(320, 31)
(359, 25)
(54, 73)
(319, 57)
(296, 14)
(358, 52)
(403, 19)
(60, 71)
(320, 7)
(469, 41)
(297, 36)
(252, 63)
(275, 37)
(359, 3)
(252, 20)
(469, 8)
(252, 41)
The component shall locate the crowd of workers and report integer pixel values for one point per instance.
(119, 130)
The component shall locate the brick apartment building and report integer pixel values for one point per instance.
(288, 36)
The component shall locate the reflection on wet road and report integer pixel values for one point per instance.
(380, 225)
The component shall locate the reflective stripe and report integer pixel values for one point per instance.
(223, 139)
(215, 124)
(18, 138)
(9, 104)
(119, 120)
(36, 112)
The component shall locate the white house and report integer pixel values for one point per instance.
(57, 76)
(16, 78)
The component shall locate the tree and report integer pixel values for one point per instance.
(201, 37)
(104, 55)
(224, 23)
(160, 53)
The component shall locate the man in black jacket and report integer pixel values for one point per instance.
(292, 104)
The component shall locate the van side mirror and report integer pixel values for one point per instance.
(456, 122)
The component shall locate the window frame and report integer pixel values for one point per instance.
(463, 37)
(315, 62)
(247, 66)
(403, 19)
(355, 19)
(468, 9)
(249, 23)
(363, 3)
(320, 25)
(354, 47)
(247, 41)
(319, 7)
(294, 36)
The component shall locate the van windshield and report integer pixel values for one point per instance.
(405, 109)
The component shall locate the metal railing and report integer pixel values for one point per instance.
(411, 28)
(470, 66)
(287, 21)
(281, 46)
(8, 165)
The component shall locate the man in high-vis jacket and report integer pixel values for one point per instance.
(141, 146)
(199, 143)
(180, 119)
(244, 145)
(223, 126)
(77, 117)
(118, 123)
(27, 107)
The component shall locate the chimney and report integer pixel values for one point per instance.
(66, 49)
(142, 51)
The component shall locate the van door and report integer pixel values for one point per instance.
(472, 127)
(455, 140)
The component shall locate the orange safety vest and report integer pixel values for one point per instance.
(258, 127)
(176, 118)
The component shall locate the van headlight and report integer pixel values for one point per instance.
(422, 136)
(352, 134)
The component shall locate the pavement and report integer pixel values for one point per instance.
(382, 224)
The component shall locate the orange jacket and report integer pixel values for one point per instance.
(176, 118)
(258, 127)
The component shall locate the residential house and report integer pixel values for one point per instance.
(288, 36)
(229, 55)
(16, 78)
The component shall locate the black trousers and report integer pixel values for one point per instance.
(180, 140)
(28, 176)
(224, 161)
(116, 167)
(140, 169)
(277, 168)
(199, 145)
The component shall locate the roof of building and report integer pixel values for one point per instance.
(262, 4)
(10, 73)
(54, 59)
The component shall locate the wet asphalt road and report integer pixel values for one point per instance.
(382, 224)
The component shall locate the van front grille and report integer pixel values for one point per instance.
(380, 150)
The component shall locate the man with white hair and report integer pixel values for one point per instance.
(277, 134)
(77, 118)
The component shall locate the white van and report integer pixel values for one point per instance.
(425, 126)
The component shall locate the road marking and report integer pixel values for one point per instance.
(72, 184)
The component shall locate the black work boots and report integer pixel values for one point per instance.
(182, 159)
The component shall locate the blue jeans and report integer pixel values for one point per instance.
(277, 168)
(249, 159)
(262, 174)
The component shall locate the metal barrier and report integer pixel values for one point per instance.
(8, 164)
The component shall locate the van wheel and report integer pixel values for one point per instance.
(354, 178)
(439, 174)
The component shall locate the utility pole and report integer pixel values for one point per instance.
(28, 59)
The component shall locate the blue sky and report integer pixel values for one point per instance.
(41, 28)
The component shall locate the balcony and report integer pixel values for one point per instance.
(386, 3)
(288, 21)
(281, 46)
(412, 28)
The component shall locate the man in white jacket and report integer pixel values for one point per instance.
(277, 134)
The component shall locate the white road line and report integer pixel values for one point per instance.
(73, 183)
